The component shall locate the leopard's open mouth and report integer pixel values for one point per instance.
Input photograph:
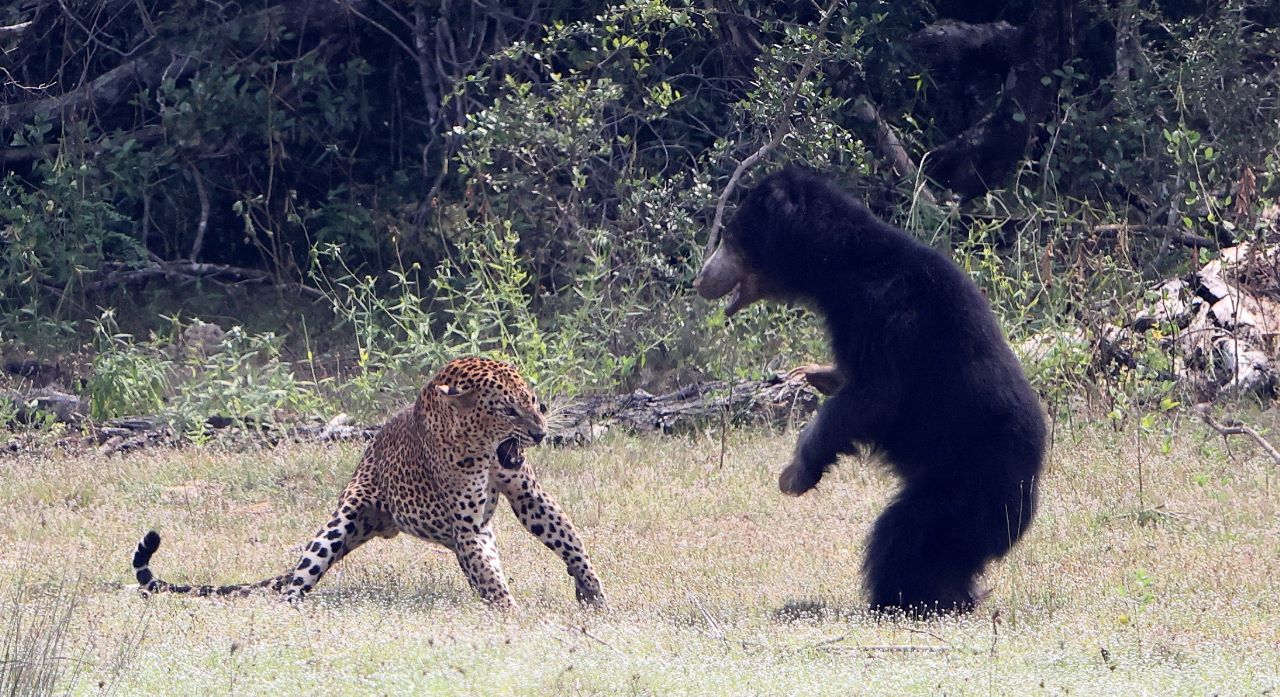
(510, 455)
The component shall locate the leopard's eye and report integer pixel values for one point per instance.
(510, 411)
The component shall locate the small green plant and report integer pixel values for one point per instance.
(8, 413)
(244, 381)
(1140, 593)
(127, 378)
(240, 378)
(390, 324)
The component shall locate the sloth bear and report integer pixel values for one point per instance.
(922, 375)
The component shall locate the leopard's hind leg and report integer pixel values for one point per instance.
(355, 522)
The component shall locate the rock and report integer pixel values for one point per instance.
(1171, 302)
(33, 405)
(1250, 371)
(202, 338)
(339, 427)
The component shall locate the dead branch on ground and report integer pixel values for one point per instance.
(189, 270)
(1235, 427)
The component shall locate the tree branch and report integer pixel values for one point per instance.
(13, 30)
(108, 88)
(1175, 234)
(890, 145)
(1236, 428)
(148, 70)
(204, 213)
(783, 128)
(188, 270)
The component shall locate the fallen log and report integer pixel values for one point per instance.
(1219, 327)
(781, 400)
(43, 405)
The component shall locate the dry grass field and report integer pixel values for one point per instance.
(718, 585)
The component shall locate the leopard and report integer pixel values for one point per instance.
(435, 471)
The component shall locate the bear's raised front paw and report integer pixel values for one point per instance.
(826, 379)
(797, 479)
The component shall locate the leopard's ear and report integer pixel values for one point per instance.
(463, 401)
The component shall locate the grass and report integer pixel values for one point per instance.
(718, 585)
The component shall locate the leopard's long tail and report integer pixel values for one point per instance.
(149, 583)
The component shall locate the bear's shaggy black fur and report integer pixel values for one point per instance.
(926, 378)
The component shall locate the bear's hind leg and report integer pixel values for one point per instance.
(925, 552)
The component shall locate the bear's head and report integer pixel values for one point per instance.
(771, 244)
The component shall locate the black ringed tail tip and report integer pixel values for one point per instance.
(142, 557)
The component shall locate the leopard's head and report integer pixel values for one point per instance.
(489, 406)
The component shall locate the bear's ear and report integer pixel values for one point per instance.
(784, 200)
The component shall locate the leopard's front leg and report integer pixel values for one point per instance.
(541, 516)
(473, 544)
(478, 558)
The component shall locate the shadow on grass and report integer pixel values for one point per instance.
(417, 594)
(815, 611)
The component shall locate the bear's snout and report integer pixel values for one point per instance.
(720, 273)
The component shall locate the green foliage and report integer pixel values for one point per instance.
(115, 195)
(542, 196)
(55, 234)
(240, 379)
(390, 325)
(820, 116)
(8, 412)
(127, 378)
(243, 380)
(571, 255)
(1189, 106)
